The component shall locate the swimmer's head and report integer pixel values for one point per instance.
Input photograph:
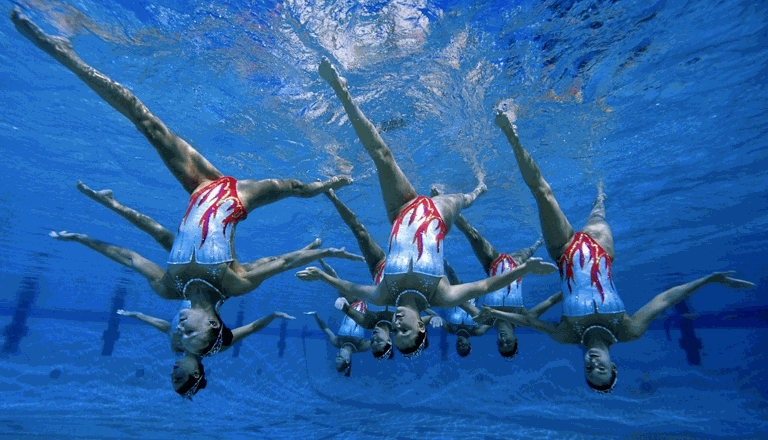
(188, 377)
(381, 343)
(202, 332)
(409, 332)
(506, 340)
(600, 372)
(343, 362)
(463, 346)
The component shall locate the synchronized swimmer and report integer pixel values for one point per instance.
(411, 276)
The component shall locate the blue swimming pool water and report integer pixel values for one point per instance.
(665, 102)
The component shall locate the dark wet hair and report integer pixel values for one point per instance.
(605, 389)
(387, 353)
(422, 342)
(345, 368)
(463, 353)
(191, 382)
(510, 353)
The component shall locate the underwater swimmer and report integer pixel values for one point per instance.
(413, 276)
(509, 298)
(593, 313)
(350, 339)
(379, 322)
(202, 266)
(188, 375)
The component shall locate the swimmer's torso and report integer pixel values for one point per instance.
(415, 257)
(349, 327)
(589, 296)
(204, 244)
(509, 297)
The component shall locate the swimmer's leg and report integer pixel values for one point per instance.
(256, 193)
(253, 264)
(451, 205)
(522, 255)
(597, 227)
(189, 167)
(484, 251)
(141, 221)
(242, 279)
(158, 279)
(554, 225)
(395, 187)
(372, 252)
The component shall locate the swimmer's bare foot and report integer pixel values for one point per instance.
(58, 47)
(601, 197)
(503, 121)
(64, 235)
(104, 196)
(342, 253)
(330, 75)
(337, 182)
(315, 244)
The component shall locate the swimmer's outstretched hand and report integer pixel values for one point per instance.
(342, 253)
(436, 322)
(340, 303)
(62, 235)
(503, 121)
(485, 315)
(282, 315)
(310, 313)
(725, 279)
(538, 267)
(311, 273)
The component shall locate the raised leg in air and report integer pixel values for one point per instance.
(555, 227)
(483, 249)
(189, 167)
(372, 252)
(141, 221)
(155, 275)
(395, 187)
(451, 205)
(256, 193)
(597, 227)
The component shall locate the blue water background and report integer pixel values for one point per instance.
(665, 102)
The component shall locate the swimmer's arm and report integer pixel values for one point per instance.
(640, 321)
(364, 346)
(160, 324)
(328, 332)
(545, 305)
(347, 289)
(452, 296)
(241, 332)
(328, 268)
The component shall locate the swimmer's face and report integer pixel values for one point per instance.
(343, 359)
(598, 367)
(506, 339)
(194, 327)
(380, 339)
(407, 327)
(182, 370)
(463, 346)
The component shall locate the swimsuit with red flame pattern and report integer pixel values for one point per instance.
(349, 327)
(510, 295)
(415, 243)
(207, 231)
(585, 271)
